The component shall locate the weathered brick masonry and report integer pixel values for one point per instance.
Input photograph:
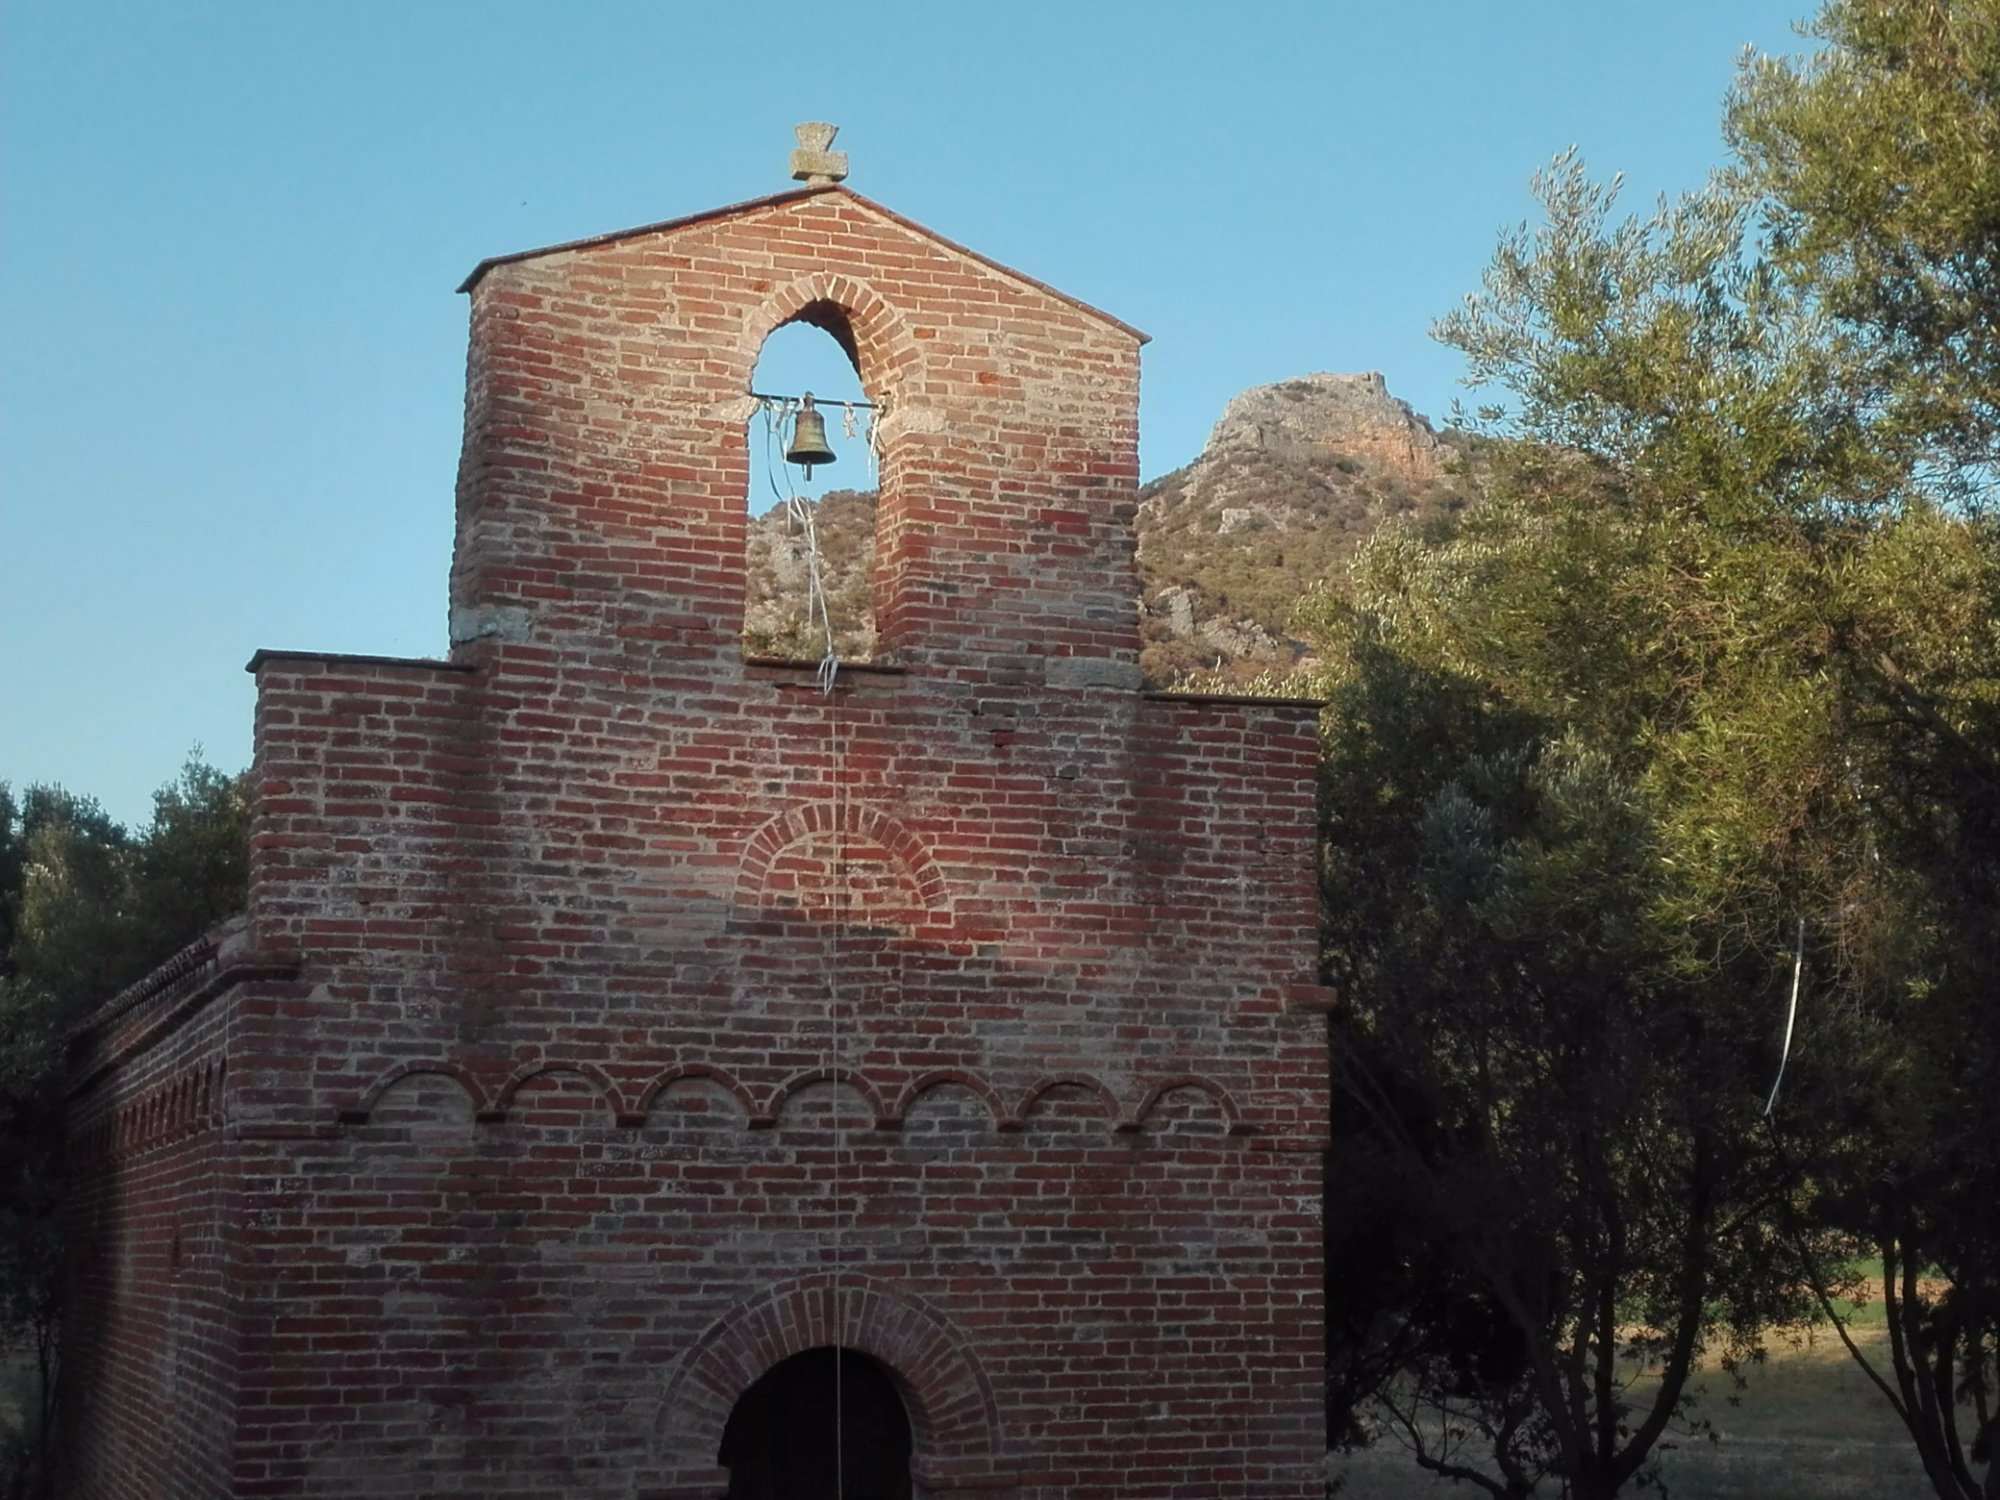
(616, 1017)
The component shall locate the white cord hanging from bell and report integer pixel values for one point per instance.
(801, 512)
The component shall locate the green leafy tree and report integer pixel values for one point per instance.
(1722, 648)
(72, 868)
(30, 1234)
(1876, 165)
(1563, 986)
(1917, 1181)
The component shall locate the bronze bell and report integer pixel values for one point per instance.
(808, 438)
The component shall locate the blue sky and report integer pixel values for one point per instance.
(231, 359)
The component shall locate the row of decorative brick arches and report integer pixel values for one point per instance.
(187, 1103)
(886, 1111)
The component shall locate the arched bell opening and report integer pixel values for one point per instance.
(810, 557)
(827, 1424)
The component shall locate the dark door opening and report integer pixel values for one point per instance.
(784, 1440)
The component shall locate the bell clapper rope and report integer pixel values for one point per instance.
(800, 510)
(815, 164)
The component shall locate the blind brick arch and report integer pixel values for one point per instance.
(843, 825)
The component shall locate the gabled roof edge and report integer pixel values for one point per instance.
(991, 264)
(779, 200)
(727, 211)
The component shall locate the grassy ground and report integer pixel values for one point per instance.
(17, 1376)
(1809, 1427)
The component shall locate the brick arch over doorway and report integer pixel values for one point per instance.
(954, 1419)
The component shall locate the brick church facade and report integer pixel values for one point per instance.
(618, 1019)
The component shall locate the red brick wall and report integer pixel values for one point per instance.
(657, 1016)
(149, 1355)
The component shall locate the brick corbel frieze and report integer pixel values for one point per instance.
(144, 1014)
(885, 1106)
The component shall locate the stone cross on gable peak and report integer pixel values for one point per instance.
(813, 164)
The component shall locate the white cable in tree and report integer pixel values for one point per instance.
(1791, 1017)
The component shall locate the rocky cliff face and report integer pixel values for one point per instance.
(1293, 478)
(1330, 416)
(1295, 475)
(776, 615)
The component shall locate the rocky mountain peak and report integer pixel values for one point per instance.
(1323, 416)
(1295, 476)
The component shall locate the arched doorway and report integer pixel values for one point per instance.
(819, 1415)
